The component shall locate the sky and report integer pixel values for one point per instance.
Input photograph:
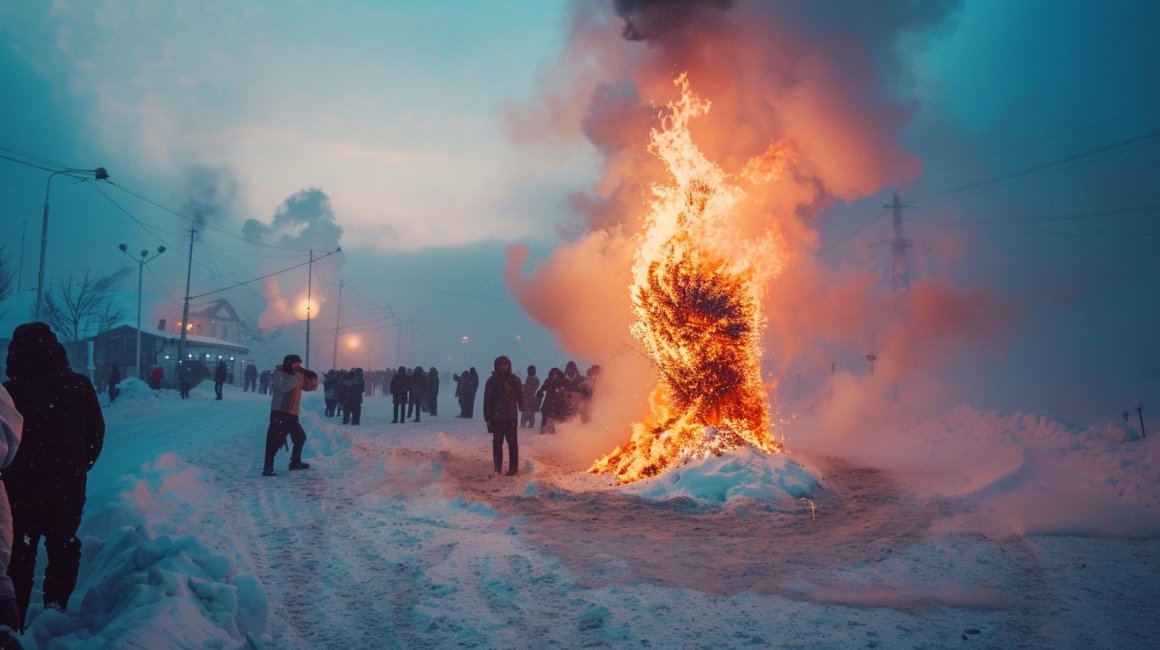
(485, 168)
(399, 536)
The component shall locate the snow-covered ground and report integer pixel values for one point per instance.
(977, 530)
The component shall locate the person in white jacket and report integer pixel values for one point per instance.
(11, 428)
(286, 386)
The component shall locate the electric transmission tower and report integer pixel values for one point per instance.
(899, 257)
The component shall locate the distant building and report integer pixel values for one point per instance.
(217, 319)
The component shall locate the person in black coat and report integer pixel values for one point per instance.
(353, 386)
(502, 396)
(219, 378)
(114, 379)
(416, 386)
(63, 435)
(554, 407)
(251, 378)
(431, 394)
(399, 384)
(470, 387)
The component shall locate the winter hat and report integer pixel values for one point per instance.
(35, 348)
(289, 359)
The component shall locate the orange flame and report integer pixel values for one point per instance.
(696, 299)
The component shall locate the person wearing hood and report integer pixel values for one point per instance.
(64, 432)
(503, 394)
(286, 386)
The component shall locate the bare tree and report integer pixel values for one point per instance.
(79, 308)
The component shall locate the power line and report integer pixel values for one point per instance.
(268, 275)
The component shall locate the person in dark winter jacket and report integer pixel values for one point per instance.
(219, 378)
(264, 382)
(286, 386)
(353, 386)
(431, 393)
(11, 429)
(554, 407)
(399, 396)
(63, 435)
(330, 390)
(114, 379)
(468, 386)
(251, 378)
(531, 399)
(184, 378)
(502, 396)
(416, 386)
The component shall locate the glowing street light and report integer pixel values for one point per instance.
(99, 174)
(140, 276)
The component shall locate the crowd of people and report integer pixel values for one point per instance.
(53, 432)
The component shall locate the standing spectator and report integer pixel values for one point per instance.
(573, 390)
(219, 378)
(399, 395)
(531, 402)
(251, 378)
(286, 386)
(63, 435)
(415, 388)
(11, 427)
(470, 387)
(114, 379)
(184, 378)
(432, 392)
(502, 397)
(264, 382)
(352, 396)
(460, 382)
(554, 406)
(155, 378)
(330, 390)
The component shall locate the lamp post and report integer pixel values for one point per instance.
(99, 174)
(140, 277)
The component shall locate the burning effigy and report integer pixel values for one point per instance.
(696, 300)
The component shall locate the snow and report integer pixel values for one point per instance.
(976, 529)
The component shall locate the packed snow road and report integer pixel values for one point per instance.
(399, 536)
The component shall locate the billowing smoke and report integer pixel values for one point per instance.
(803, 86)
(305, 221)
(211, 193)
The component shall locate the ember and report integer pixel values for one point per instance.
(696, 297)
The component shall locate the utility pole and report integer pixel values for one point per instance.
(185, 310)
(337, 323)
(899, 258)
(309, 279)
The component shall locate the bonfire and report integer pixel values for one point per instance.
(696, 298)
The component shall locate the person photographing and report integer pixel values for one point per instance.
(286, 385)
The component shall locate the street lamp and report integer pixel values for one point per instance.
(140, 276)
(99, 174)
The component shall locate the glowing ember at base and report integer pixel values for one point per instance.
(696, 297)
